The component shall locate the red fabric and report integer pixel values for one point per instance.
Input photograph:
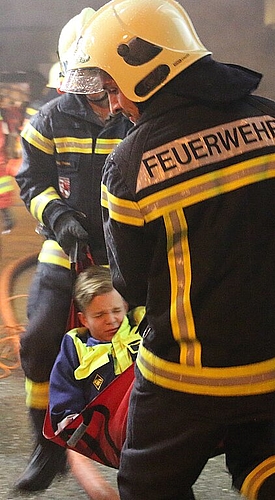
(106, 420)
(76, 268)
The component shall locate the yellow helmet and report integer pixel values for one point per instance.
(70, 34)
(142, 44)
(54, 76)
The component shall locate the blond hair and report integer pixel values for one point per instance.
(94, 281)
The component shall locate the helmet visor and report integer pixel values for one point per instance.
(82, 81)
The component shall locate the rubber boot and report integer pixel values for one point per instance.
(47, 460)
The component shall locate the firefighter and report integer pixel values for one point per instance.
(6, 185)
(64, 146)
(188, 207)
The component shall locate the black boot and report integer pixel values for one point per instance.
(47, 460)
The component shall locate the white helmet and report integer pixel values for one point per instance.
(142, 44)
(70, 34)
(54, 76)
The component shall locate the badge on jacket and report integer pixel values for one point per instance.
(64, 184)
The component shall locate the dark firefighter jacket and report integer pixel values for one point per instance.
(64, 148)
(189, 205)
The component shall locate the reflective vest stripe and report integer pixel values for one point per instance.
(246, 380)
(52, 253)
(37, 394)
(39, 202)
(6, 184)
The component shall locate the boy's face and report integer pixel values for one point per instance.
(104, 315)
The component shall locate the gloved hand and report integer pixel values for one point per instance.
(68, 231)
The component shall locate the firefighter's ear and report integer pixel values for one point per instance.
(82, 319)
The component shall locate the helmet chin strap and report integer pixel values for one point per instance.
(95, 101)
(100, 107)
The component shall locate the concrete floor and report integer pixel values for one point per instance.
(15, 437)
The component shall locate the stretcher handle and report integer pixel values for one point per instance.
(77, 435)
(81, 429)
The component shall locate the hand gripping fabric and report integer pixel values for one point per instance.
(68, 231)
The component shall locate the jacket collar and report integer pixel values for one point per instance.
(206, 81)
(76, 105)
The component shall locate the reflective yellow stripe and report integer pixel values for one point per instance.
(37, 394)
(6, 184)
(257, 477)
(180, 273)
(247, 380)
(31, 111)
(39, 141)
(121, 210)
(207, 186)
(106, 146)
(73, 145)
(52, 253)
(189, 192)
(39, 202)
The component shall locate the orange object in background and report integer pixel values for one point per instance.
(12, 166)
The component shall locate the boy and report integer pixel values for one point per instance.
(93, 355)
(90, 358)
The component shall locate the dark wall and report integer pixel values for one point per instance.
(233, 29)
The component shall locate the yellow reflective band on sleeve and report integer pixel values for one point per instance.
(254, 480)
(31, 111)
(39, 141)
(106, 146)
(121, 210)
(6, 184)
(37, 394)
(246, 380)
(39, 202)
(74, 145)
(52, 253)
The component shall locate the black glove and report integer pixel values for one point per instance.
(68, 231)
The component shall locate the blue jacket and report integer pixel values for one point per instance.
(85, 366)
